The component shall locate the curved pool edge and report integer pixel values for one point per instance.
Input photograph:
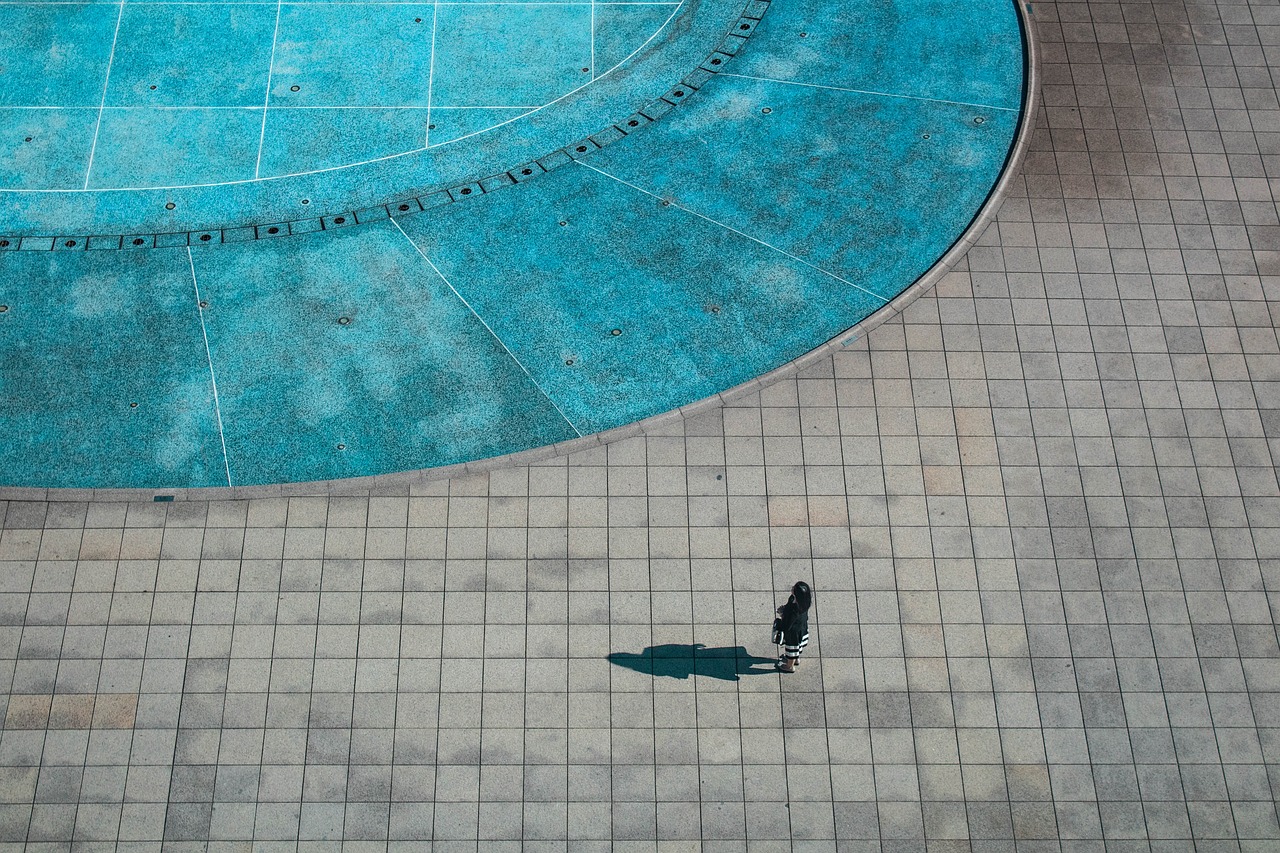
(401, 482)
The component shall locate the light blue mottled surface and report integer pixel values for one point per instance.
(54, 55)
(78, 345)
(862, 193)
(187, 146)
(191, 55)
(698, 308)
(164, 79)
(352, 55)
(933, 49)
(621, 28)
(475, 46)
(296, 140)
(786, 201)
(60, 139)
(655, 66)
(412, 374)
(454, 123)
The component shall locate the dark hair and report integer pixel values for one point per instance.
(803, 595)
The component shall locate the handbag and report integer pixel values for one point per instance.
(777, 630)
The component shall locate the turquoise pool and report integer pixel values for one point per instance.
(397, 236)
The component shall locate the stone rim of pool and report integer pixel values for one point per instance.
(892, 304)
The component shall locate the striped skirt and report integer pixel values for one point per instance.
(793, 651)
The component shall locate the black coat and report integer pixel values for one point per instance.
(794, 623)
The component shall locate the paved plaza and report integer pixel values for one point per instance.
(1039, 510)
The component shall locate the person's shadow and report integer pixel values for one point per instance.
(682, 660)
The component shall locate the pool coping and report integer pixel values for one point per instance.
(400, 483)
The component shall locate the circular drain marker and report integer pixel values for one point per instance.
(295, 88)
(342, 447)
(767, 110)
(28, 139)
(925, 136)
(153, 88)
(569, 362)
(205, 238)
(526, 171)
(133, 405)
(344, 321)
(431, 127)
(3, 308)
(563, 223)
(170, 206)
(138, 241)
(70, 244)
(979, 120)
(273, 230)
(616, 332)
(204, 304)
(306, 201)
(586, 70)
(4, 244)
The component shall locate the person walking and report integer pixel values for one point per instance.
(791, 627)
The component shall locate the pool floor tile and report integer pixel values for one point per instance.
(814, 197)
(192, 55)
(362, 381)
(961, 52)
(45, 147)
(303, 140)
(148, 146)
(654, 307)
(152, 428)
(620, 30)
(384, 60)
(72, 69)
(510, 55)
